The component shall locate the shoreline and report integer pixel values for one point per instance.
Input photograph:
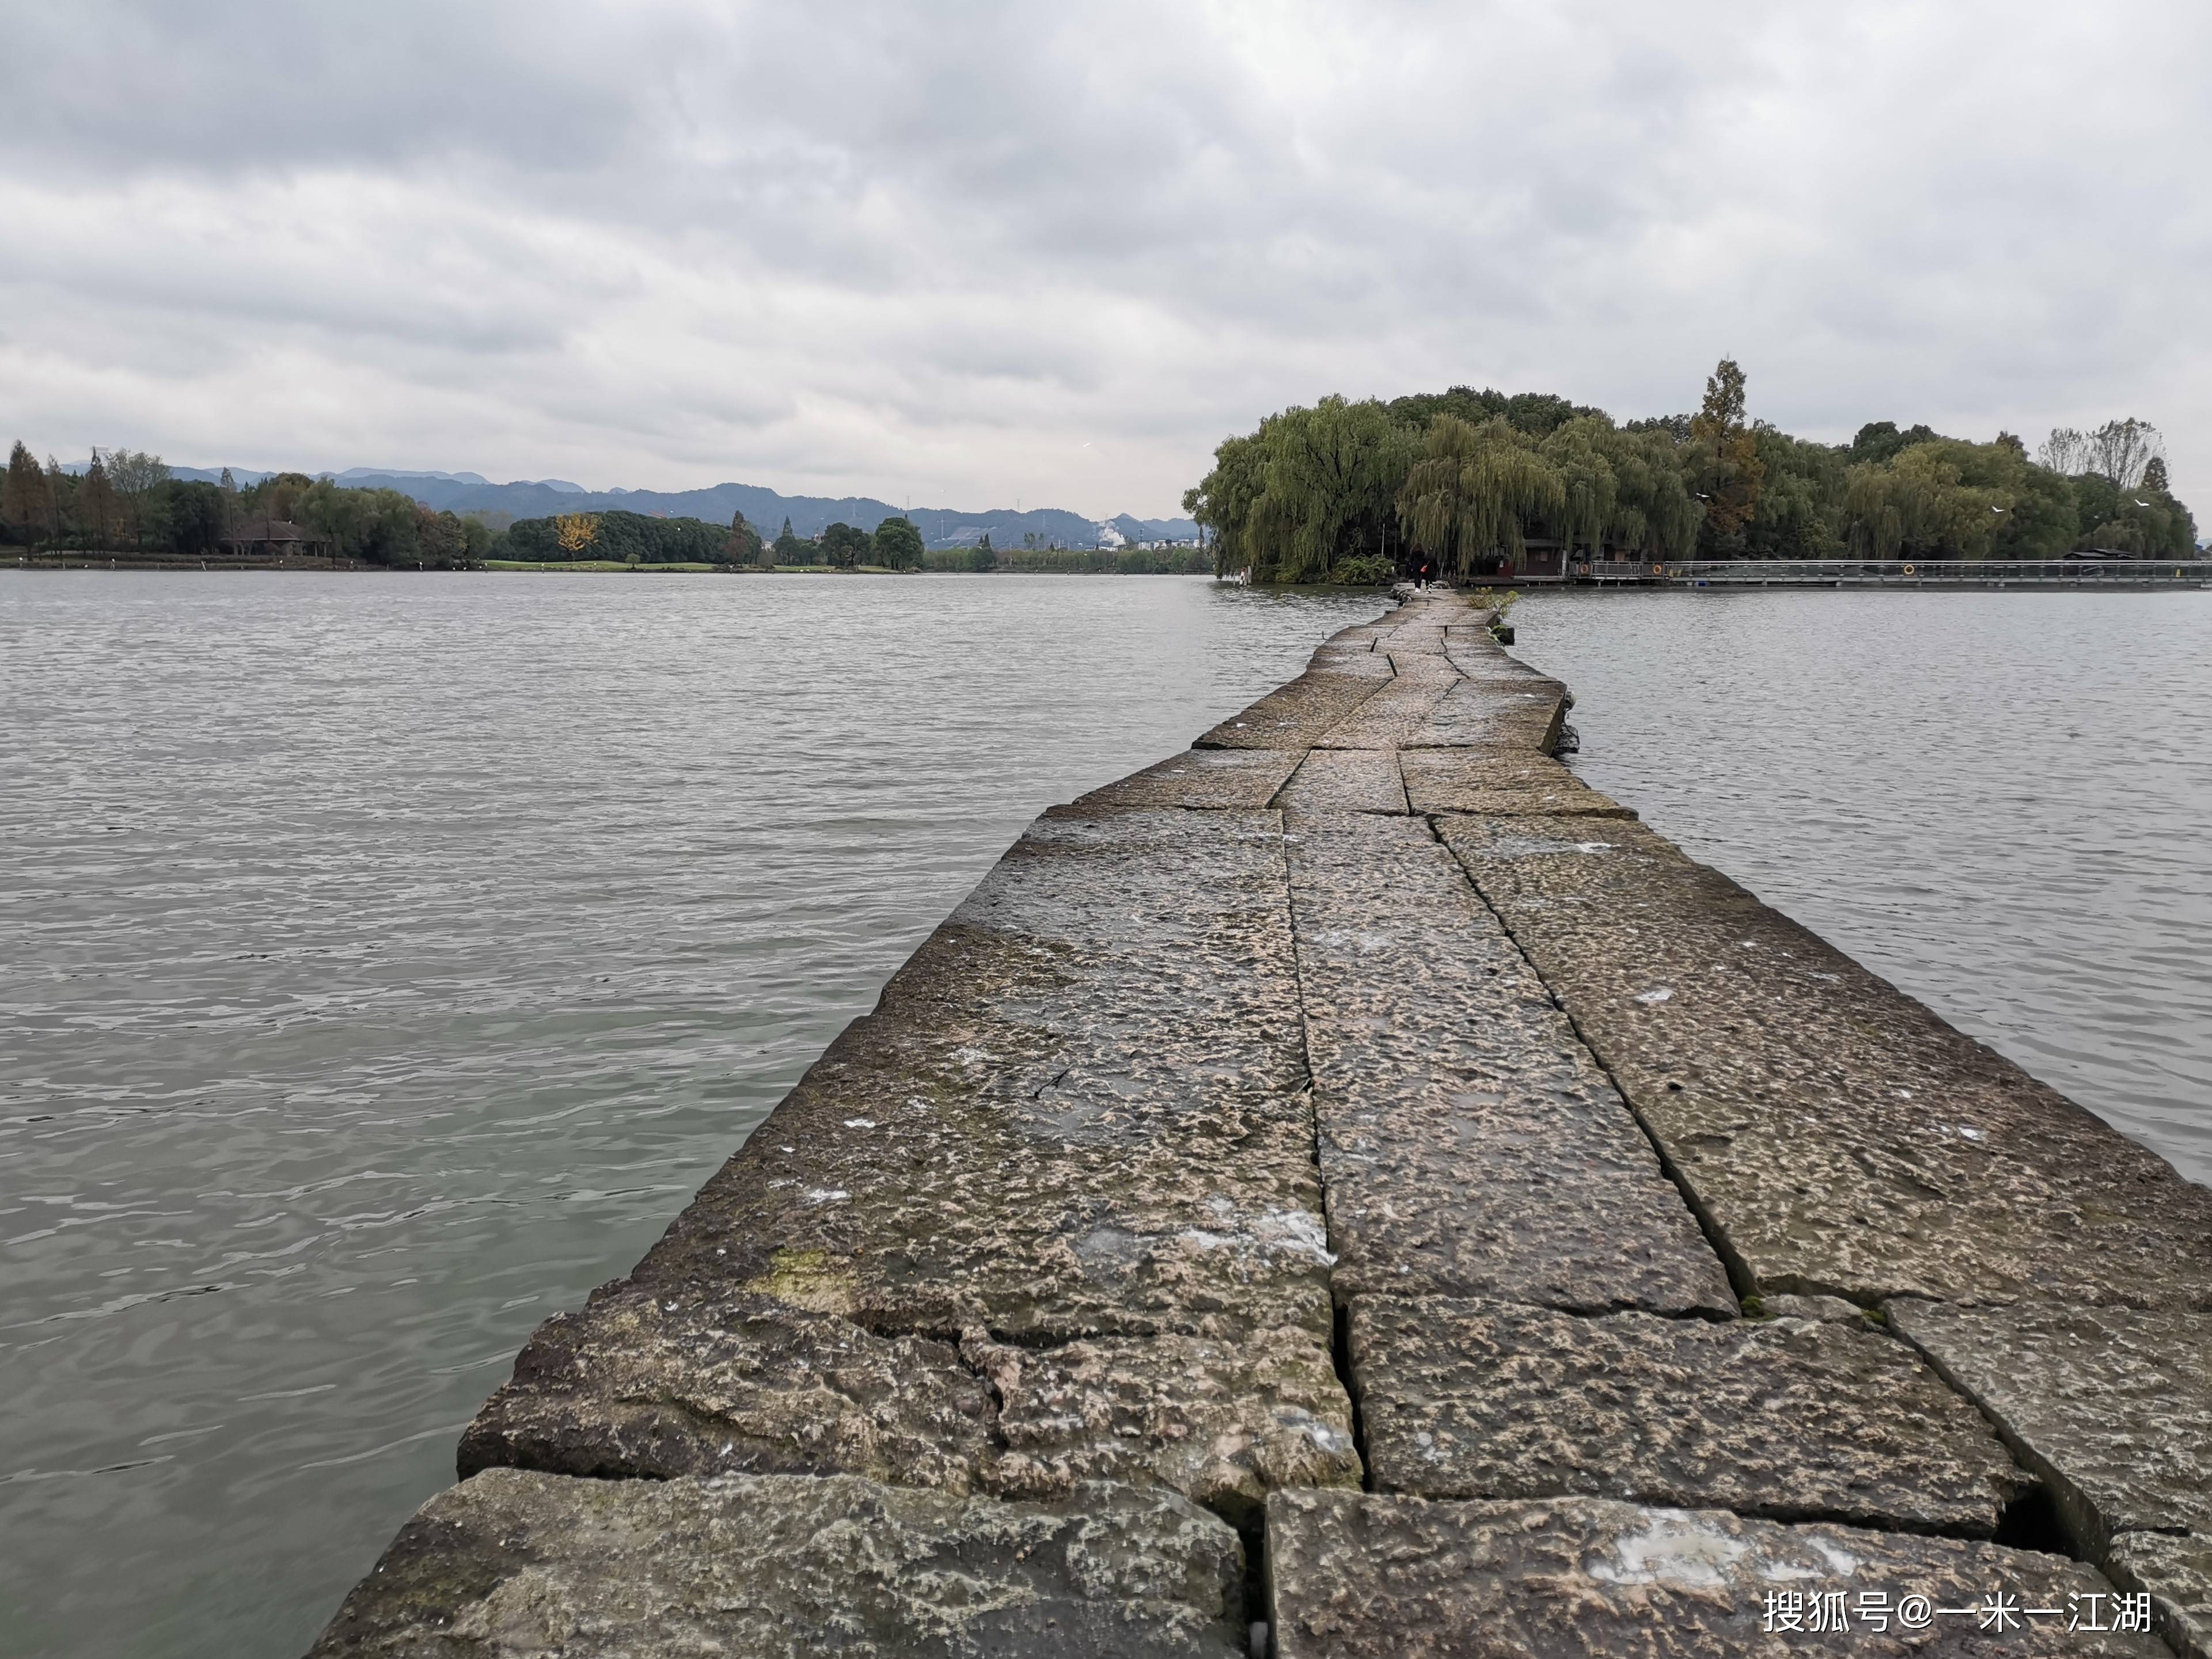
(518, 568)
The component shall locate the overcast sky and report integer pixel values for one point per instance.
(968, 253)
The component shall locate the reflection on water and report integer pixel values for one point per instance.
(2001, 802)
(385, 962)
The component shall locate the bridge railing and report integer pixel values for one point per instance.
(1903, 572)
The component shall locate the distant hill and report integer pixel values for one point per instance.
(354, 474)
(1156, 530)
(239, 476)
(764, 508)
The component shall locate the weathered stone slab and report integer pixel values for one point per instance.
(1482, 660)
(2111, 1406)
(634, 1387)
(1828, 1310)
(1488, 779)
(1348, 656)
(1518, 714)
(1424, 668)
(1467, 714)
(1414, 636)
(1392, 714)
(1791, 1419)
(1468, 1143)
(1295, 715)
(1835, 1135)
(1363, 633)
(2176, 1573)
(1358, 664)
(1224, 1424)
(787, 1567)
(1218, 779)
(1356, 1575)
(1345, 780)
(1081, 1108)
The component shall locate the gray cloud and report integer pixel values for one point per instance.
(940, 250)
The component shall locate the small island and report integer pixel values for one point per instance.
(1530, 486)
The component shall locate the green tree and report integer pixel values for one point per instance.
(136, 475)
(1474, 477)
(1332, 477)
(616, 536)
(1800, 498)
(1923, 506)
(898, 544)
(844, 546)
(60, 501)
(1881, 440)
(1732, 472)
(96, 506)
(1623, 490)
(2129, 520)
(186, 517)
(743, 545)
(789, 549)
(1465, 502)
(1222, 501)
(23, 496)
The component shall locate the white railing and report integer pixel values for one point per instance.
(1898, 573)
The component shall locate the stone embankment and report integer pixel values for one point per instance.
(1353, 1189)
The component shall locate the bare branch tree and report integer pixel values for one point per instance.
(2117, 451)
(2065, 451)
(2120, 450)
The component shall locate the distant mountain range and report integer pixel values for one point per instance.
(765, 509)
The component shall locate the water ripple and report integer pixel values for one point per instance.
(397, 957)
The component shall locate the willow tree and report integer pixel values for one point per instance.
(1223, 500)
(1624, 490)
(1576, 452)
(1655, 515)
(1466, 500)
(1920, 506)
(1330, 483)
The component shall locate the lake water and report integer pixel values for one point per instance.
(384, 961)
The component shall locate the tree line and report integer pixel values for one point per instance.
(894, 544)
(126, 500)
(1462, 482)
